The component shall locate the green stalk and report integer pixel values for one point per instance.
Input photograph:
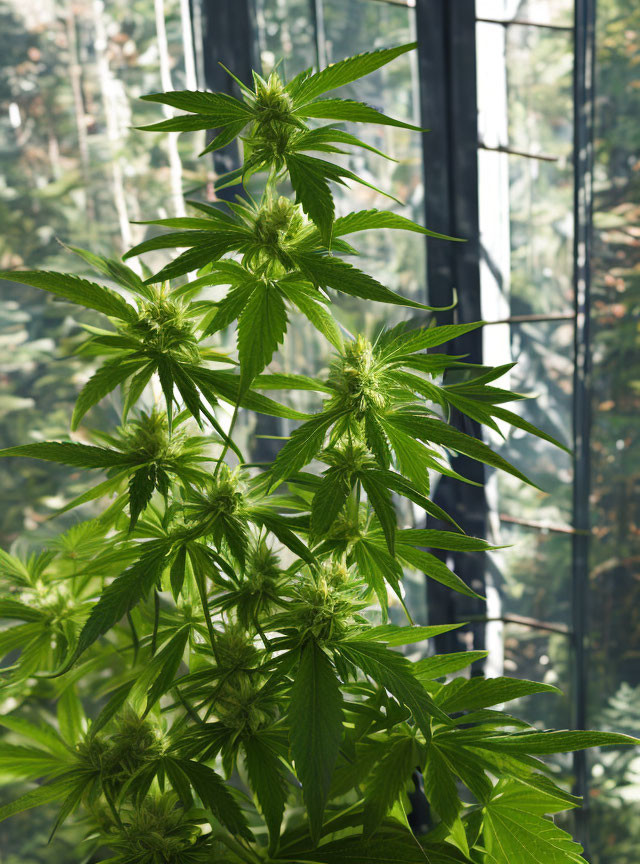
(207, 614)
(228, 440)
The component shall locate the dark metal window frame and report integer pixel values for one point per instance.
(446, 44)
(446, 58)
(584, 37)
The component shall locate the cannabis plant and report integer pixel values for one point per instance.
(206, 670)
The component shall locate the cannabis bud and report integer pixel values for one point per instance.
(164, 327)
(359, 379)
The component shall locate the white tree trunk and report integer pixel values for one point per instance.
(108, 91)
(175, 164)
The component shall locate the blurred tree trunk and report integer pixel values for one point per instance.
(175, 165)
(106, 79)
(75, 71)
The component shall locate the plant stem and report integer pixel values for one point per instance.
(207, 614)
(225, 449)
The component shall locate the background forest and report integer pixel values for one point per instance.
(72, 170)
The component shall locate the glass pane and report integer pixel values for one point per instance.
(539, 66)
(525, 106)
(397, 259)
(543, 351)
(526, 224)
(285, 35)
(539, 655)
(73, 170)
(524, 101)
(558, 13)
(534, 574)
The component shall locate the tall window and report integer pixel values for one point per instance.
(505, 87)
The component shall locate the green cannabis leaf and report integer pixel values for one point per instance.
(516, 829)
(315, 717)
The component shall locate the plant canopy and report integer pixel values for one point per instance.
(215, 643)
